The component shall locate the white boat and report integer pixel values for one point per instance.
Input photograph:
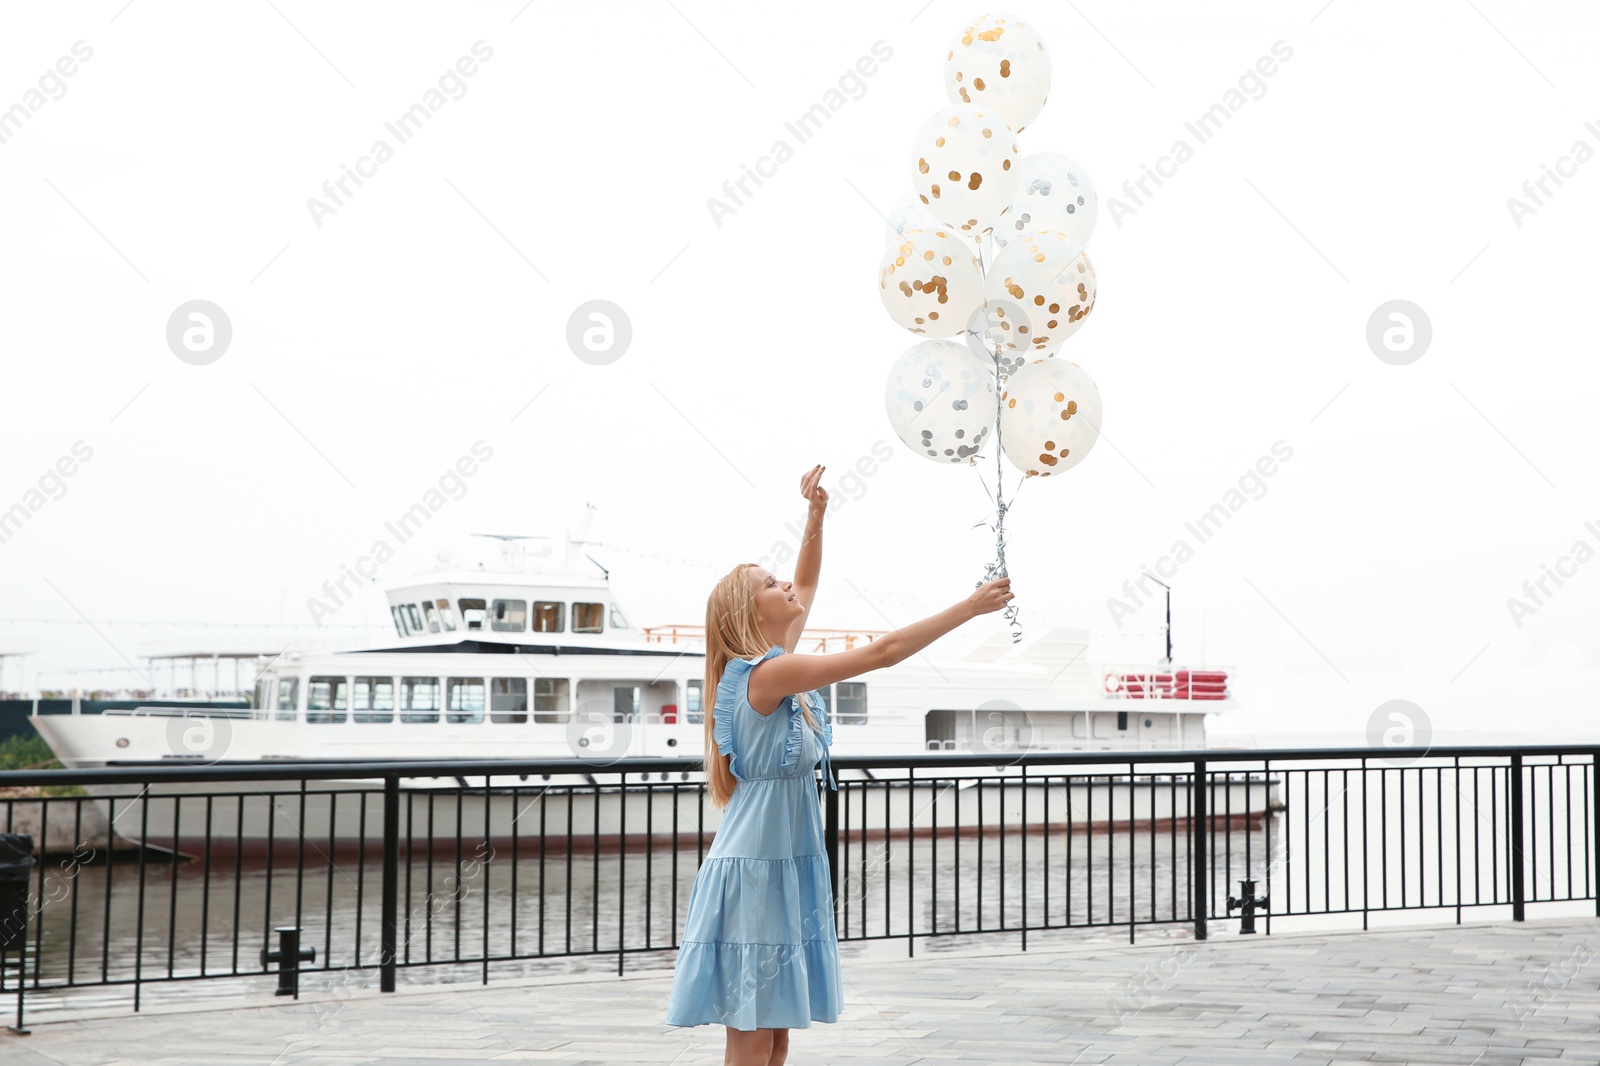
(525, 660)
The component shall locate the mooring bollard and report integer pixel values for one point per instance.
(289, 956)
(1250, 902)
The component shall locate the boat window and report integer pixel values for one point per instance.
(413, 617)
(508, 700)
(549, 616)
(851, 701)
(433, 619)
(509, 616)
(694, 709)
(259, 701)
(288, 698)
(472, 612)
(618, 621)
(550, 699)
(588, 617)
(447, 615)
(374, 699)
(327, 699)
(399, 620)
(464, 699)
(419, 699)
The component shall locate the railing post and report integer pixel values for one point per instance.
(1514, 850)
(15, 905)
(391, 884)
(1594, 788)
(830, 835)
(1200, 839)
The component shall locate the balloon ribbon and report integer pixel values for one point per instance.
(997, 569)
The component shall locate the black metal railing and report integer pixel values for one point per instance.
(150, 875)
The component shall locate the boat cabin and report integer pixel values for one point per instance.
(469, 608)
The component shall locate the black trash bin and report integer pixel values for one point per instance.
(16, 867)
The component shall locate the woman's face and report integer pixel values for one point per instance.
(775, 600)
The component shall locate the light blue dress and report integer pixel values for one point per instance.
(758, 949)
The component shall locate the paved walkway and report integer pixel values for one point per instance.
(1479, 995)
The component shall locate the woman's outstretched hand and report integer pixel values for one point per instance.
(811, 488)
(990, 596)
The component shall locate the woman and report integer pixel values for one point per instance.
(758, 953)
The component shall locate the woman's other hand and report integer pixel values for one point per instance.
(990, 596)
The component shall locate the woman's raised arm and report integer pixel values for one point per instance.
(808, 568)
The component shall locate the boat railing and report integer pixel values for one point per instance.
(178, 711)
(1166, 682)
(813, 641)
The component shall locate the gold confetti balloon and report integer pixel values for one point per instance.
(964, 167)
(940, 401)
(999, 62)
(1053, 193)
(930, 281)
(1048, 275)
(1049, 417)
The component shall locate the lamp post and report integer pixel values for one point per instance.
(1168, 587)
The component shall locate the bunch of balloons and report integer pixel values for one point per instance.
(986, 260)
(1007, 314)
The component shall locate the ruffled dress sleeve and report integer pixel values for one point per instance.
(794, 743)
(730, 692)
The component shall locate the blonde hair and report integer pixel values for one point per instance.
(731, 633)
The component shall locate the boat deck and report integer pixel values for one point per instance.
(1498, 994)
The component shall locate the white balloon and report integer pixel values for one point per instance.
(1045, 277)
(1050, 415)
(940, 401)
(1000, 62)
(964, 167)
(1053, 193)
(998, 332)
(930, 281)
(909, 213)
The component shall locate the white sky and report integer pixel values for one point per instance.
(370, 353)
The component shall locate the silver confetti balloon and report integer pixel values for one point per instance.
(1053, 193)
(940, 400)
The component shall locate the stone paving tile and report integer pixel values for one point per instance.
(1446, 994)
